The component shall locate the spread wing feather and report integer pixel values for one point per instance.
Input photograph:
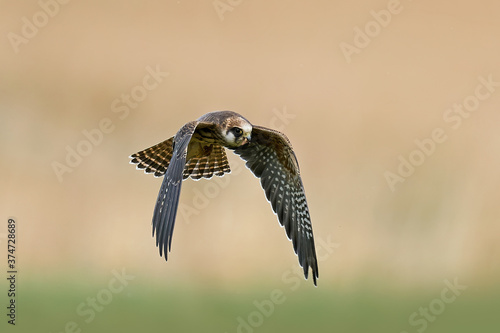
(168, 197)
(270, 157)
(169, 160)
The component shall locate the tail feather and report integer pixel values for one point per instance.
(205, 167)
(154, 159)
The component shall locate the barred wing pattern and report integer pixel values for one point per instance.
(154, 159)
(205, 167)
(169, 159)
(270, 157)
(168, 197)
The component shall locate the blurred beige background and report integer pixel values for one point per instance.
(281, 64)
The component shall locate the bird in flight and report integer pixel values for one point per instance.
(197, 151)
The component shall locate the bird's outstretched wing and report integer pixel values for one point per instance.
(270, 157)
(168, 197)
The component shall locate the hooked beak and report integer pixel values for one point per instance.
(247, 139)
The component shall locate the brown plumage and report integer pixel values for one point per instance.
(197, 151)
(156, 159)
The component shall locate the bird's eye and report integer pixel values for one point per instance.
(237, 132)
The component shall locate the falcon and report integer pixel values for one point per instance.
(197, 151)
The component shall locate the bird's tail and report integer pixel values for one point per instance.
(154, 159)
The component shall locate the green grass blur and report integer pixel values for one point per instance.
(143, 307)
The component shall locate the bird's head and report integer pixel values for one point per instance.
(237, 131)
(234, 129)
